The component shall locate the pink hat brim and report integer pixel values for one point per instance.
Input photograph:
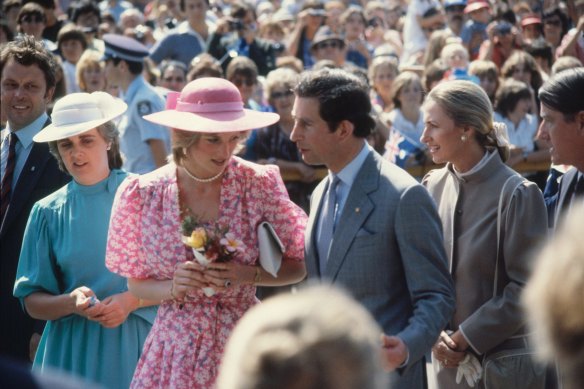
(214, 122)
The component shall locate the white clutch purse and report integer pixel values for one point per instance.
(271, 248)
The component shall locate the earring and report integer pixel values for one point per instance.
(109, 147)
(184, 150)
(463, 138)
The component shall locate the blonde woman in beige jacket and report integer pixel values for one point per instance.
(460, 132)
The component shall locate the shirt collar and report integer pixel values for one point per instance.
(348, 174)
(26, 134)
(133, 88)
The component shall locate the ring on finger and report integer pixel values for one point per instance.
(227, 283)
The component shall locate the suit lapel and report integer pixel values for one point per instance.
(568, 183)
(27, 180)
(29, 176)
(311, 226)
(357, 209)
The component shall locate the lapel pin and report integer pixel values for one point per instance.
(357, 210)
(33, 168)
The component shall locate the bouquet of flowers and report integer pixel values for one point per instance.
(209, 245)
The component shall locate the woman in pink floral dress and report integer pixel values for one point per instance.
(208, 183)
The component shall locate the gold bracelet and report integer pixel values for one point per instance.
(258, 276)
(140, 303)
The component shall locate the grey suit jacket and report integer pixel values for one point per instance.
(387, 251)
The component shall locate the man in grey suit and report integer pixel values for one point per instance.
(372, 228)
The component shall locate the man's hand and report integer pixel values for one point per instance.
(33, 345)
(395, 352)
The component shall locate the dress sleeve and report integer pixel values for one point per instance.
(124, 254)
(37, 269)
(288, 219)
(525, 228)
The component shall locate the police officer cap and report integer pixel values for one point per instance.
(123, 47)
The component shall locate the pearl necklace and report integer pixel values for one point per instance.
(203, 180)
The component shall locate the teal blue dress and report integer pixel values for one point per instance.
(63, 249)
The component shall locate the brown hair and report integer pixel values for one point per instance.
(109, 133)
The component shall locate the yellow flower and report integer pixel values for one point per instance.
(198, 238)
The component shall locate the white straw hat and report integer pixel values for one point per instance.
(77, 113)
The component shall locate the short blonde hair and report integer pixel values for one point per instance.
(403, 80)
(90, 59)
(317, 338)
(380, 62)
(449, 49)
(283, 77)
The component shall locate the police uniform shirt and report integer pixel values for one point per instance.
(135, 131)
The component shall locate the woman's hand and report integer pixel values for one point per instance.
(116, 309)
(187, 276)
(447, 352)
(83, 305)
(222, 275)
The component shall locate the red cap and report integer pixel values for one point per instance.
(475, 6)
(526, 21)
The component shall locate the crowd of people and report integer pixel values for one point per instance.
(139, 140)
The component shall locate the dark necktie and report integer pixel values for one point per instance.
(327, 225)
(579, 189)
(8, 173)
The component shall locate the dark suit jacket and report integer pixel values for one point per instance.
(388, 252)
(39, 178)
(261, 52)
(560, 202)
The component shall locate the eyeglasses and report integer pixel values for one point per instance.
(247, 81)
(454, 8)
(325, 44)
(278, 95)
(175, 79)
(553, 22)
(434, 28)
(32, 19)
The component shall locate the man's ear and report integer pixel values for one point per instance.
(345, 129)
(580, 120)
(49, 95)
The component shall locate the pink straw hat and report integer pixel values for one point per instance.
(210, 105)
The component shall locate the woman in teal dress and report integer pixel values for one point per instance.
(95, 328)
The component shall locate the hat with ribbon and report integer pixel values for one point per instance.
(77, 113)
(210, 105)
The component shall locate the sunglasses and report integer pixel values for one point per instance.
(324, 45)
(455, 8)
(247, 81)
(32, 19)
(553, 22)
(175, 79)
(278, 95)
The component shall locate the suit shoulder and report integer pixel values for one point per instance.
(394, 176)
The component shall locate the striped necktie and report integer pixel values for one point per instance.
(8, 173)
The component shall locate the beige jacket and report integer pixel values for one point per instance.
(468, 210)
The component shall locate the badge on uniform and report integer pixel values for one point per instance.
(144, 108)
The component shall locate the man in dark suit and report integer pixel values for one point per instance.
(372, 228)
(29, 173)
(562, 113)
